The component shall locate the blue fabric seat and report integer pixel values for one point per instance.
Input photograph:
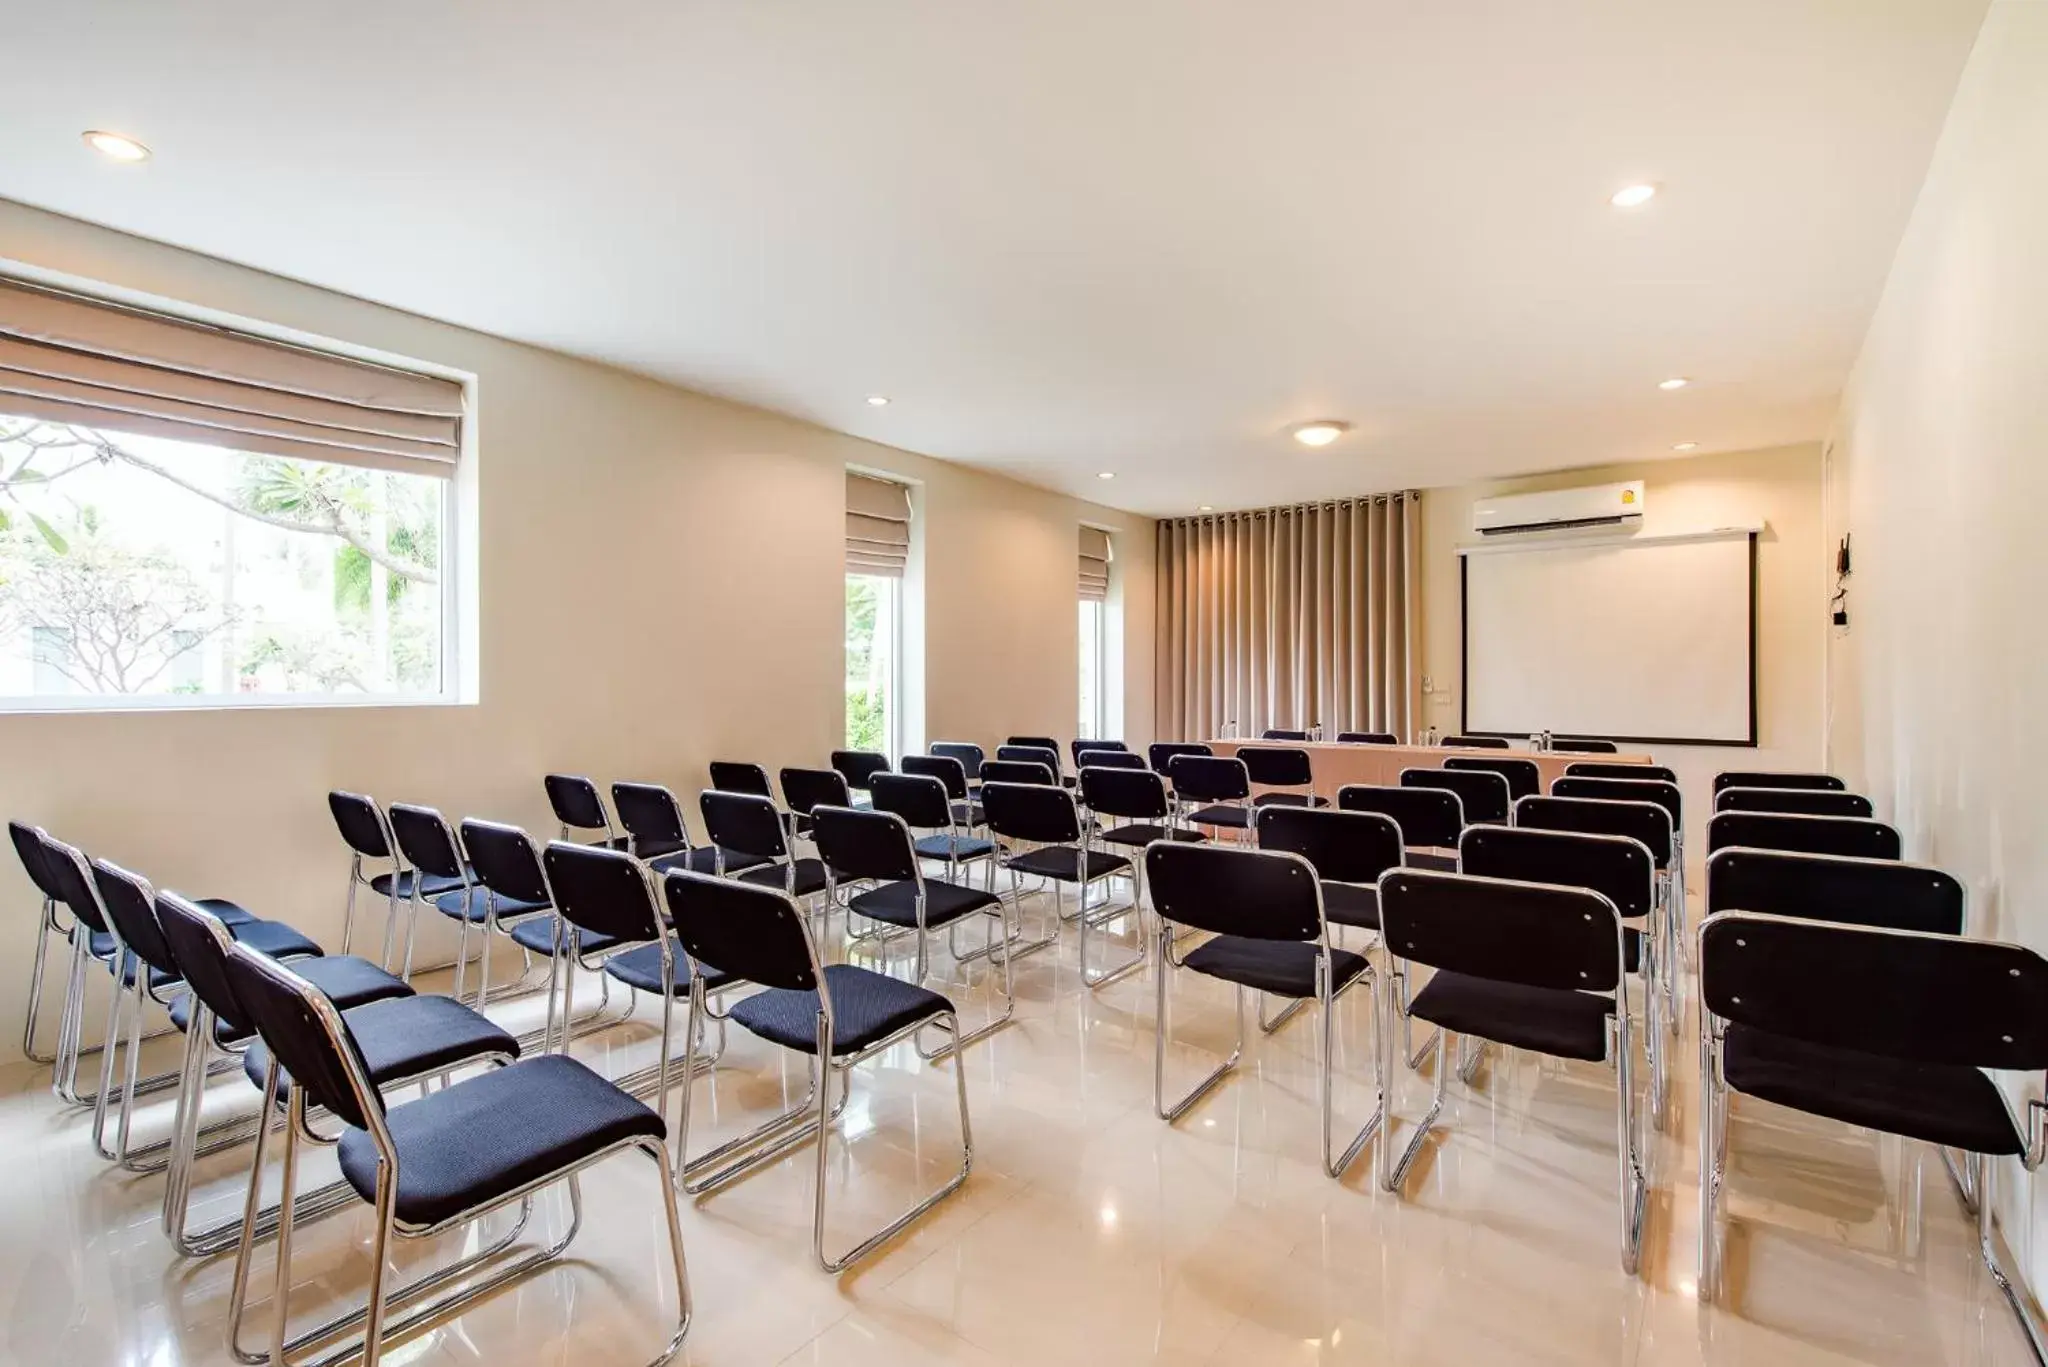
(1222, 815)
(476, 906)
(1064, 863)
(867, 1006)
(1143, 833)
(274, 938)
(1550, 1020)
(430, 885)
(229, 913)
(705, 860)
(403, 1037)
(954, 846)
(944, 903)
(490, 1135)
(343, 979)
(1347, 904)
(537, 933)
(807, 878)
(640, 969)
(1285, 968)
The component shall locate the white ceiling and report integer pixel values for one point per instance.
(1063, 235)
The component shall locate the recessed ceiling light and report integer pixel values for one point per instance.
(1107, 474)
(114, 145)
(1686, 446)
(1675, 382)
(1321, 432)
(878, 400)
(1205, 508)
(1632, 196)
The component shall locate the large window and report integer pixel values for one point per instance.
(1094, 721)
(874, 655)
(141, 570)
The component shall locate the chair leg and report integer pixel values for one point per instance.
(1634, 1184)
(1163, 1033)
(348, 910)
(1985, 1172)
(1333, 1163)
(380, 1243)
(45, 923)
(1394, 1171)
(1099, 918)
(685, 1307)
(1713, 1157)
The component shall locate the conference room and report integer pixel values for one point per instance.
(773, 685)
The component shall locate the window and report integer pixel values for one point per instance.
(874, 655)
(157, 571)
(1096, 557)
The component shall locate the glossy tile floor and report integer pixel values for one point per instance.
(1090, 1231)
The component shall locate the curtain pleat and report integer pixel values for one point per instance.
(1289, 617)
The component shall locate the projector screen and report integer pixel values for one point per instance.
(1652, 641)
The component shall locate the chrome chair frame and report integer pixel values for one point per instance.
(358, 878)
(1085, 917)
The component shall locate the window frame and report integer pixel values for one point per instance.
(1098, 724)
(889, 597)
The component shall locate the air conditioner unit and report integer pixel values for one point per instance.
(1604, 505)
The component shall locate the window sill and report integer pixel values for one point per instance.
(54, 707)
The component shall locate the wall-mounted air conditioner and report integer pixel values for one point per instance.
(1603, 505)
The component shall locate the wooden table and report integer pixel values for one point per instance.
(1335, 766)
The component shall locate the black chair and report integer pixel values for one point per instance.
(1484, 796)
(1046, 819)
(443, 1161)
(366, 830)
(1799, 801)
(1273, 733)
(1576, 745)
(1221, 784)
(427, 843)
(859, 845)
(858, 766)
(1111, 759)
(1528, 965)
(1886, 894)
(925, 804)
(28, 847)
(1751, 778)
(1588, 768)
(1162, 755)
(1522, 775)
(1367, 738)
(577, 804)
(737, 776)
(1081, 745)
(1430, 819)
(749, 824)
(1049, 756)
(1264, 910)
(661, 839)
(1019, 771)
(969, 754)
(806, 789)
(1856, 837)
(1474, 742)
(1037, 743)
(1137, 798)
(1888, 1030)
(840, 1014)
(1271, 767)
(1348, 850)
(1662, 792)
(953, 774)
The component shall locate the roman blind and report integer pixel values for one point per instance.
(1095, 557)
(877, 526)
(68, 359)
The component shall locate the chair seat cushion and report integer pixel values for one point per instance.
(969, 813)
(159, 978)
(1063, 862)
(1288, 800)
(806, 877)
(274, 938)
(100, 944)
(1940, 1103)
(490, 1135)
(1431, 859)
(229, 913)
(1143, 833)
(705, 860)
(430, 885)
(1222, 815)
(403, 1037)
(1550, 1020)
(866, 1006)
(944, 903)
(537, 933)
(954, 847)
(1348, 904)
(1285, 968)
(640, 969)
(343, 978)
(475, 906)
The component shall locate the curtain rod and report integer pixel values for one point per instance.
(1395, 497)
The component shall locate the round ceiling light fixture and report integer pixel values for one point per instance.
(1107, 474)
(1675, 382)
(1321, 432)
(878, 401)
(114, 146)
(1686, 446)
(1632, 196)
(1206, 508)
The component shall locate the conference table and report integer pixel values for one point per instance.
(1335, 765)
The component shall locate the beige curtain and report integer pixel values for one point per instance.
(1094, 564)
(877, 526)
(1286, 617)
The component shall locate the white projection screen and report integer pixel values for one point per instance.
(1652, 641)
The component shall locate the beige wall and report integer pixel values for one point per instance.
(1941, 471)
(660, 585)
(1780, 488)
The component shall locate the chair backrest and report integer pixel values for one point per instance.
(199, 944)
(1031, 811)
(1757, 778)
(1037, 743)
(751, 932)
(1522, 775)
(1618, 867)
(856, 844)
(1475, 742)
(70, 876)
(804, 789)
(1593, 768)
(859, 766)
(1367, 738)
(1276, 767)
(734, 776)
(1080, 743)
(28, 845)
(1485, 795)
(128, 901)
(652, 816)
(361, 823)
(1209, 778)
(575, 802)
(1884, 893)
(1429, 818)
(920, 799)
(1344, 847)
(1028, 754)
(506, 860)
(1111, 759)
(1936, 999)
(1130, 794)
(306, 1036)
(1163, 754)
(1536, 934)
(1574, 745)
(1857, 837)
(1018, 771)
(601, 890)
(1275, 733)
(1644, 821)
(1804, 801)
(745, 823)
(425, 840)
(1665, 795)
(969, 754)
(1256, 894)
(944, 768)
